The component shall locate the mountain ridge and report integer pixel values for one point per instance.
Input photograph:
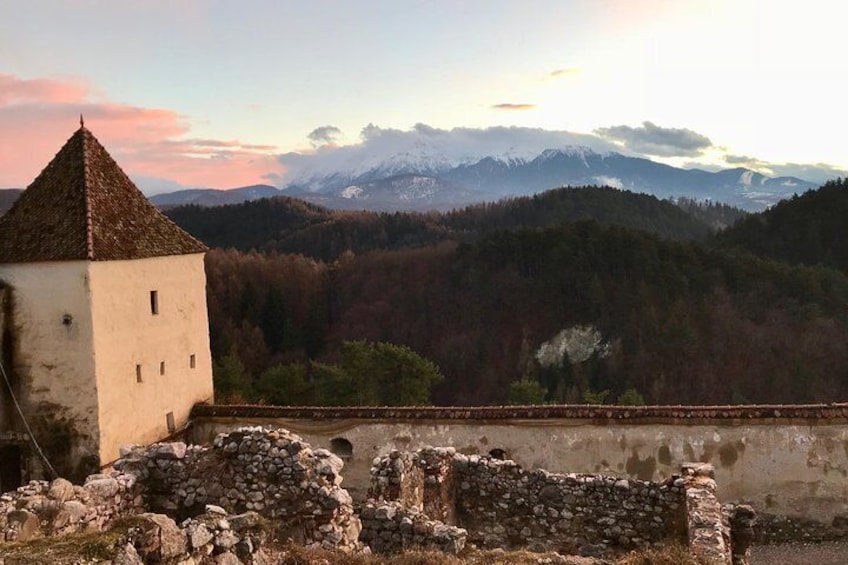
(398, 183)
(394, 184)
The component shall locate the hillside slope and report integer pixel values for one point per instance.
(810, 229)
(682, 324)
(288, 225)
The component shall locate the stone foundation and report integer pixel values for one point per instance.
(501, 505)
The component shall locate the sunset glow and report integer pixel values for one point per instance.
(212, 93)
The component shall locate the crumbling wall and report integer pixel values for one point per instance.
(272, 472)
(708, 532)
(502, 505)
(156, 538)
(42, 509)
(397, 477)
(391, 527)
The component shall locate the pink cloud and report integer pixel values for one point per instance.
(15, 90)
(37, 116)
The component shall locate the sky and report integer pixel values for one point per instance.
(220, 94)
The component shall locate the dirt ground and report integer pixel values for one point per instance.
(824, 553)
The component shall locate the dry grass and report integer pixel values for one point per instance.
(290, 554)
(72, 549)
(91, 548)
(669, 555)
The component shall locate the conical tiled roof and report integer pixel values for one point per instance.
(82, 206)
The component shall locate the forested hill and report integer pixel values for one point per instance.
(605, 205)
(288, 225)
(811, 229)
(682, 323)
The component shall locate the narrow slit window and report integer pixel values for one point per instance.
(162, 368)
(154, 302)
(169, 420)
(192, 361)
(138, 378)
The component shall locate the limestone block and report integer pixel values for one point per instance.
(227, 558)
(168, 451)
(198, 535)
(102, 488)
(244, 521)
(61, 490)
(127, 555)
(161, 539)
(22, 525)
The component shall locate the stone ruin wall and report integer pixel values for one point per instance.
(496, 504)
(271, 472)
(502, 505)
(225, 497)
(789, 462)
(433, 498)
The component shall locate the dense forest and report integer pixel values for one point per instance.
(288, 225)
(682, 321)
(810, 229)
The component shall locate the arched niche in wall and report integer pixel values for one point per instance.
(498, 453)
(341, 448)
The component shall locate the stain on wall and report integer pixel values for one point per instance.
(640, 468)
(664, 455)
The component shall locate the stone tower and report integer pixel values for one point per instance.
(105, 337)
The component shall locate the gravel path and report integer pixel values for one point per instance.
(824, 553)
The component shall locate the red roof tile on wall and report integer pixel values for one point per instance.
(84, 207)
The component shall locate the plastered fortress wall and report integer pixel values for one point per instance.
(139, 355)
(783, 460)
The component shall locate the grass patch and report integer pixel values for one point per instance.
(669, 555)
(72, 548)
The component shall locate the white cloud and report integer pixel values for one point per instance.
(430, 147)
(651, 139)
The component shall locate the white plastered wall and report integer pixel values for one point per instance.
(127, 333)
(53, 355)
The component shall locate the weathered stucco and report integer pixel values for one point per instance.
(53, 357)
(126, 334)
(80, 328)
(784, 466)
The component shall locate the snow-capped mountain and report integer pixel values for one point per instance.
(399, 182)
(424, 177)
(399, 192)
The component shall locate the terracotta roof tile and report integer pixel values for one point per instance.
(83, 206)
